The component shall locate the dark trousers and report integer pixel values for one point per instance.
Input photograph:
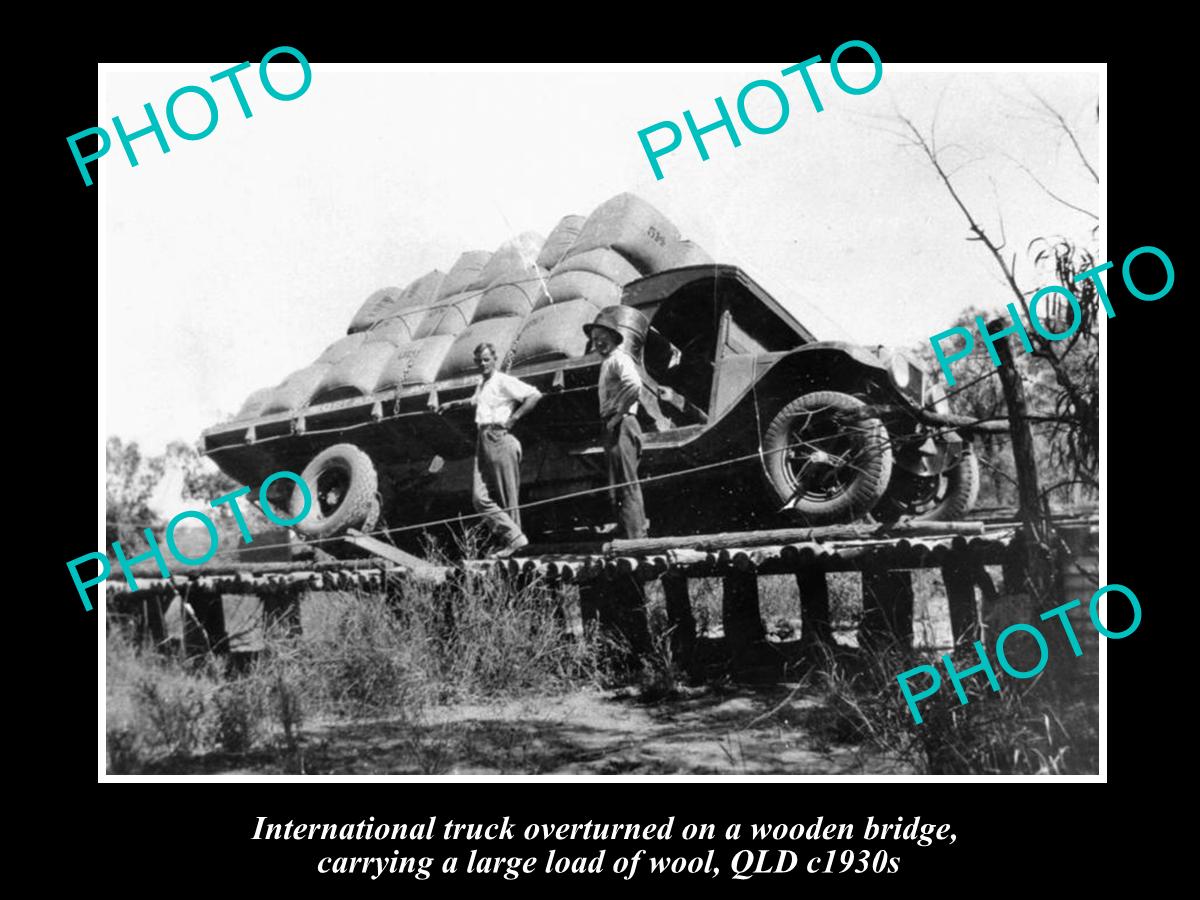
(497, 483)
(623, 451)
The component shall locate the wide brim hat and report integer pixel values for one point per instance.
(620, 320)
(592, 326)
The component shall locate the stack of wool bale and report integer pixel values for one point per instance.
(530, 299)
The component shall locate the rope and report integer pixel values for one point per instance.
(757, 418)
(410, 310)
(759, 453)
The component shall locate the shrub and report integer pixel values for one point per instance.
(381, 654)
(238, 713)
(1019, 730)
(173, 708)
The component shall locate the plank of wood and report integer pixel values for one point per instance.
(738, 539)
(376, 547)
(149, 570)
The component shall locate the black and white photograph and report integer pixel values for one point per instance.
(589, 421)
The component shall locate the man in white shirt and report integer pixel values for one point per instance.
(620, 386)
(500, 400)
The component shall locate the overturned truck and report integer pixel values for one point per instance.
(749, 420)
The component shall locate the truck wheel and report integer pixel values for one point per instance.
(824, 460)
(940, 498)
(343, 485)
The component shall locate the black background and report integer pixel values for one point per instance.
(184, 835)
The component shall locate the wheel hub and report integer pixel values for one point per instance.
(331, 490)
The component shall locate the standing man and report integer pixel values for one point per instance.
(620, 387)
(500, 400)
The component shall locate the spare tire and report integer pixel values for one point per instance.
(825, 461)
(344, 489)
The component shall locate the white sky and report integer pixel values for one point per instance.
(234, 260)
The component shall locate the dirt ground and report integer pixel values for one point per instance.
(731, 730)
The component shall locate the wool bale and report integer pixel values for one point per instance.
(381, 303)
(561, 239)
(297, 389)
(357, 374)
(554, 332)
(415, 363)
(513, 255)
(463, 273)
(395, 330)
(685, 253)
(601, 261)
(449, 317)
(500, 332)
(633, 228)
(254, 404)
(515, 297)
(563, 286)
(424, 291)
(340, 349)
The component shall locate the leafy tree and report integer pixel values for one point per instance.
(131, 479)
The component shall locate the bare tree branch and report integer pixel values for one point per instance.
(1062, 123)
(1041, 184)
(1075, 416)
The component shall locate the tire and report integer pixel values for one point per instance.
(344, 487)
(827, 493)
(962, 490)
(942, 498)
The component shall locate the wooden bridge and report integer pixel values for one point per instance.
(606, 581)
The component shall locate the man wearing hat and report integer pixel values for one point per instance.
(620, 387)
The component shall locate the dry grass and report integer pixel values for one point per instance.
(390, 655)
(1025, 728)
(380, 681)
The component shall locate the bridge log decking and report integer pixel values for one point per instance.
(610, 579)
